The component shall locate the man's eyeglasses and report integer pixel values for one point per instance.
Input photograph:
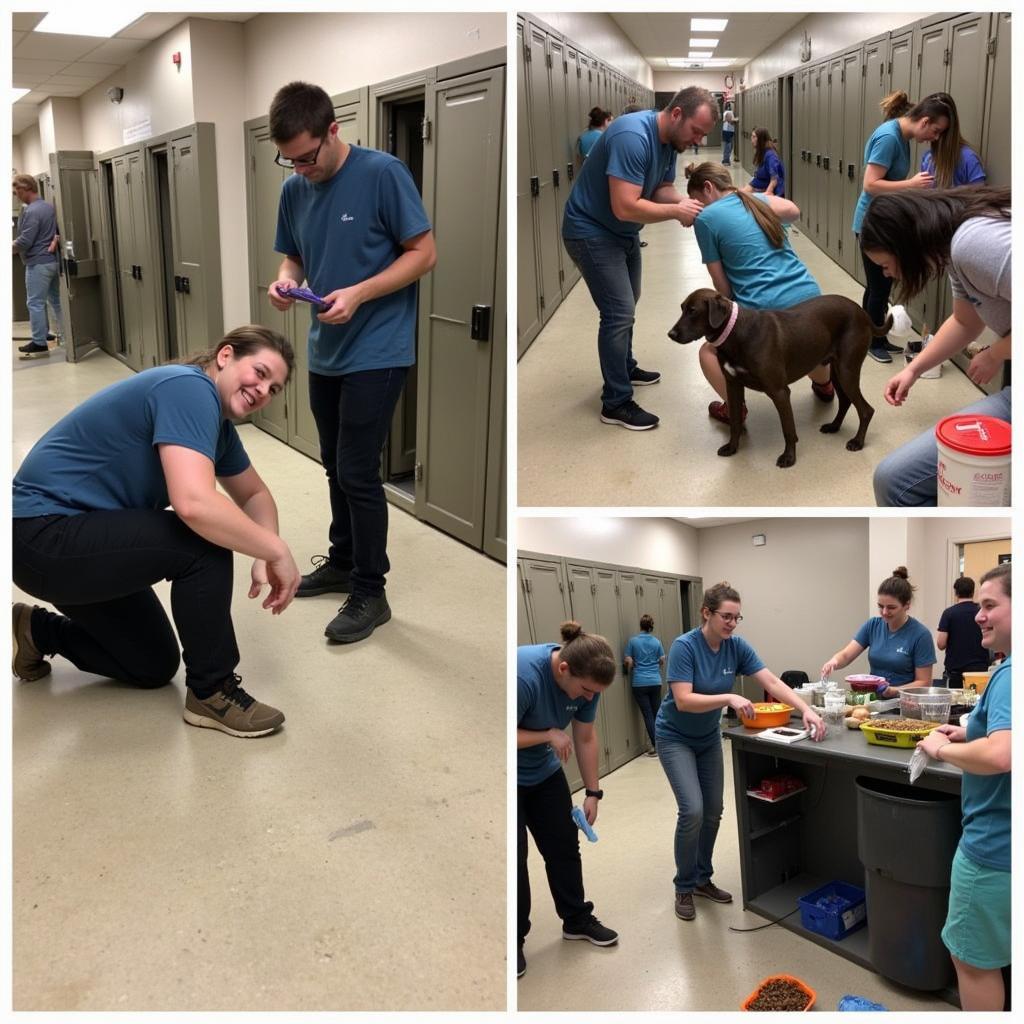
(299, 161)
(729, 617)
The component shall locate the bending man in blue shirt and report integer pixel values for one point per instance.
(351, 224)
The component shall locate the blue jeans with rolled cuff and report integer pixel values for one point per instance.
(42, 286)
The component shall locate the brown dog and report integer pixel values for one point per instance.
(766, 350)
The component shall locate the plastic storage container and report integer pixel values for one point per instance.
(973, 461)
(906, 839)
(768, 719)
(835, 910)
(885, 734)
(927, 703)
(795, 982)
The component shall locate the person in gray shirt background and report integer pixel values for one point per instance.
(36, 244)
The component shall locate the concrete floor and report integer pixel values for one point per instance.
(660, 962)
(355, 860)
(567, 456)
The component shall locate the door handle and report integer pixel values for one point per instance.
(849, 171)
(480, 329)
(554, 176)
(535, 186)
(186, 286)
(177, 283)
(446, 319)
(570, 171)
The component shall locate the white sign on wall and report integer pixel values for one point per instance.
(142, 130)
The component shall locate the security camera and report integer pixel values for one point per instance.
(115, 94)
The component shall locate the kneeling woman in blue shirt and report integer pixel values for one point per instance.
(899, 647)
(977, 929)
(743, 244)
(703, 666)
(93, 531)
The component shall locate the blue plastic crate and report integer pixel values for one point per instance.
(835, 910)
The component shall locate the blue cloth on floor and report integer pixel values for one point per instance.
(859, 1003)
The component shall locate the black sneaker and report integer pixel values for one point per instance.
(324, 579)
(593, 931)
(630, 416)
(357, 618)
(33, 351)
(879, 354)
(643, 377)
(890, 347)
(233, 711)
(520, 964)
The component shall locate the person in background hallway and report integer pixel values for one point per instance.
(351, 223)
(644, 657)
(951, 159)
(769, 174)
(36, 245)
(93, 533)
(977, 929)
(900, 648)
(703, 668)
(886, 162)
(599, 121)
(628, 181)
(729, 123)
(556, 684)
(960, 636)
(918, 234)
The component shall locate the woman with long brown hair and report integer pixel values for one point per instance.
(769, 173)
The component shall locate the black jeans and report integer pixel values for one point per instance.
(98, 567)
(546, 810)
(353, 416)
(876, 294)
(648, 699)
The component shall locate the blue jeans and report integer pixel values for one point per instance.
(907, 475)
(697, 776)
(611, 268)
(42, 285)
(727, 138)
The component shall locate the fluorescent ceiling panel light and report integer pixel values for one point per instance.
(699, 54)
(87, 21)
(18, 93)
(708, 24)
(704, 44)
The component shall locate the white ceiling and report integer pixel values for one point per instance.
(704, 522)
(59, 65)
(660, 36)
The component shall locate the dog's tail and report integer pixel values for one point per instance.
(881, 332)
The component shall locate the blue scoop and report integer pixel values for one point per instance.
(584, 826)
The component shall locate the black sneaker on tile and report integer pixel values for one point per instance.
(630, 416)
(879, 354)
(520, 964)
(644, 377)
(357, 618)
(324, 579)
(593, 931)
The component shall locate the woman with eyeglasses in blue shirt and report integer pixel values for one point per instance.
(703, 667)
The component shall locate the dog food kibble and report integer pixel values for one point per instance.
(905, 725)
(779, 995)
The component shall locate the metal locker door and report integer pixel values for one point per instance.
(576, 121)
(75, 195)
(832, 159)
(528, 290)
(620, 712)
(147, 273)
(849, 162)
(547, 598)
(351, 111)
(818, 85)
(968, 45)
(524, 629)
(995, 139)
(800, 145)
(127, 226)
(461, 189)
(561, 148)
(875, 87)
(583, 605)
(671, 613)
(901, 51)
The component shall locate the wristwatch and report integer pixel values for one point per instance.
(599, 793)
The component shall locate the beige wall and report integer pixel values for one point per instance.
(599, 35)
(32, 160)
(60, 124)
(673, 81)
(829, 33)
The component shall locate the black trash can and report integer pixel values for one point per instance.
(906, 839)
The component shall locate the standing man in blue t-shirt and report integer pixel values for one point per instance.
(628, 180)
(352, 225)
(36, 244)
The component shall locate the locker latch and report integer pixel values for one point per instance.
(425, 129)
(480, 329)
(554, 176)
(824, 162)
(418, 471)
(569, 171)
(535, 186)
(849, 171)
(182, 284)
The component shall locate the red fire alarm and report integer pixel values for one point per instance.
(176, 59)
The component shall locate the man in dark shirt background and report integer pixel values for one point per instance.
(960, 637)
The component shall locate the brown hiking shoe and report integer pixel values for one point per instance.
(684, 906)
(712, 892)
(26, 661)
(233, 711)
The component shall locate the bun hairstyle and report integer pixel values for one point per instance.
(767, 219)
(646, 623)
(598, 117)
(588, 655)
(714, 596)
(898, 585)
(1001, 573)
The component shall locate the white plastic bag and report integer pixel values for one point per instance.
(918, 762)
(901, 325)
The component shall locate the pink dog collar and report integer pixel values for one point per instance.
(728, 327)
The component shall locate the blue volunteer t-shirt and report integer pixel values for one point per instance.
(691, 660)
(969, 169)
(762, 277)
(888, 149)
(629, 148)
(645, 649)
(770, 167)
(985, 799)
(896, 655)
(345, 230)
(587, 141)
(543, 704)
(103, 454)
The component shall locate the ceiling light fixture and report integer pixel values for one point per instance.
(87, 21)
(704, 44)
(699, 54)
(18, 93)
(708, 24)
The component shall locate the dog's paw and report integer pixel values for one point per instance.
(853, 445)
(829, 428)
(785, 460)
(728, 449)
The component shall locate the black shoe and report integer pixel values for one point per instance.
(630, 416)
(593, 931)
(643, 245)
(31, 350)
(890, 347)
(712, 892)
(520, 964)
(324, 579)
(357, 618)
(642, 377)
(879, 354)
